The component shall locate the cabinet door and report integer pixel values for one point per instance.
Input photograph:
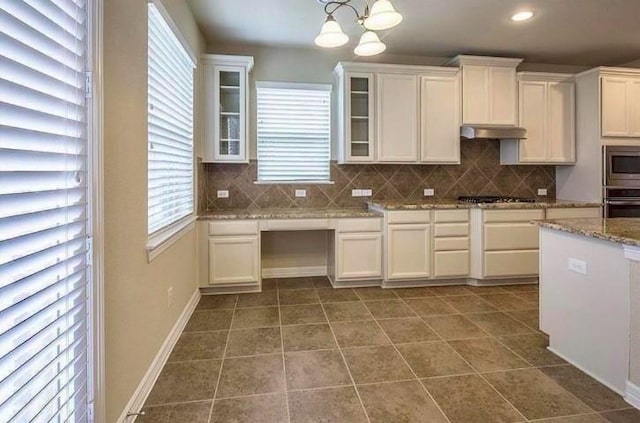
(359, 117)
(615, 103)
(359, 255)
(634, 108)
(397, 105)
(234, 260)
(229, 114)
(475, 94)
(503, 95)
(440, 119)
(408, 251)
(533, 113)
(561, 122)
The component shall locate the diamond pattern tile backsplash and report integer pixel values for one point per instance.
(480, 173)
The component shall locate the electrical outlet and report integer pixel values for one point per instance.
(429, 192)
(301, 193)
(223, 193)
(367, 192)
(356, 193)
(542, 192)
(578, 266)
(170, 297)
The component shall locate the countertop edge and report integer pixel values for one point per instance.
(590, 233)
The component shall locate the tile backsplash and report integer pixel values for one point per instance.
(480, 173)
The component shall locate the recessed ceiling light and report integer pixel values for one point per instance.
(522, 16)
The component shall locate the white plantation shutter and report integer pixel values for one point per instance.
(170, 126)
(44, 271)
(294, 132)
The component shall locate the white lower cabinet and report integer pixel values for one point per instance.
(359, 256)
(234, 260)
(408, 251)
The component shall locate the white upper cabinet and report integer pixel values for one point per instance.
(397, 120)
(440, 118)
(489, 90)
(621, 106)
(226, 108)
(547, 112)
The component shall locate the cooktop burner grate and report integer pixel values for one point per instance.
(494, 199)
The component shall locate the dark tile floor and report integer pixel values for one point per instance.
(301, 351)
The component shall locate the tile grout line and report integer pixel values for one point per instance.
(224, 353)
(407, 363)
(284, 364)
(344, 361)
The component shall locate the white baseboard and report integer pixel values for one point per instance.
(294, 272)
(632, 394)
(149, 379)
(588, 372)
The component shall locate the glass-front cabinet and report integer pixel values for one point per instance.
(356, 120)
(226, 108)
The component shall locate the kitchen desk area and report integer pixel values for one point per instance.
(590, 298)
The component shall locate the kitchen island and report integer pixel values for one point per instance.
(590, 297)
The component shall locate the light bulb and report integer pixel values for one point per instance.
(522, 16)
(331, 34)
(369, 45)
(382, 16)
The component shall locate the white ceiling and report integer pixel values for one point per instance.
(576, 32)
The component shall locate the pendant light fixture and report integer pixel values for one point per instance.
(379, 17)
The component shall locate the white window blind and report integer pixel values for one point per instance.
(294, 132)
(44, 271)
(170, 126)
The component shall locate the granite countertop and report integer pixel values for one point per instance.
(300, 213)
(455, 204)
(620, 230)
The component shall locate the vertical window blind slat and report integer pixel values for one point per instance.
(294, 133)
(170, 126)
(44, 323)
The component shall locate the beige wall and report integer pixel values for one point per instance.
(634, 353)
(316, 65)
(137, 318)
(633, 64)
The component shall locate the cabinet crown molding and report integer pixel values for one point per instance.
(545, 76)
(463, 60)
(342, 67)
(227, 59)
(610, 71)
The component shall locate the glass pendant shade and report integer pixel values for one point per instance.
(369, 45)
(382, 16)
(331, 34)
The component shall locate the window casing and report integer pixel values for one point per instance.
(170, 126)
(294, 132)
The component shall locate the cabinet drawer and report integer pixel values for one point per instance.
(359, 225)
(451, 263)
(243, 227)
(451, 244)
(573, 213)
(295, 224)
(451, 229)
(446, 216)
(510, 236)
(412, 216)
(510, 263)
(513, 215)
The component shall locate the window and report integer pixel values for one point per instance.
(170, 126)
(45, 293)
(294, 132)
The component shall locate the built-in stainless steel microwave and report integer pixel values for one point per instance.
(622, 166)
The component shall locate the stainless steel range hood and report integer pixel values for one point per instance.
(483, 132)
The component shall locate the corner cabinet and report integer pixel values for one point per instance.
(548, 113)
(489, 90)
(226, 108)
(621, 106)
(398, 114)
